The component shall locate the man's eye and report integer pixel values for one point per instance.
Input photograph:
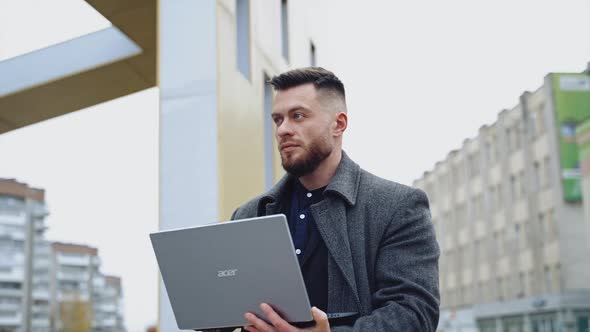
(297, 115)
(277, 120)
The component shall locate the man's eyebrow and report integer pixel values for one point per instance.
(290, 110)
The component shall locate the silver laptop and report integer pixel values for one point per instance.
(216, 273)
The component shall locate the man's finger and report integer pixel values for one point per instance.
(321, 319)
(276, 320)
(258, 323)
(250, 328)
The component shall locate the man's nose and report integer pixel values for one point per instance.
(284, 129)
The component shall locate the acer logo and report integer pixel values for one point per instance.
(227, 273)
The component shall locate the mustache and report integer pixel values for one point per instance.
(286, 143)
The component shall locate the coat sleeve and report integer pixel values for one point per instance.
(406, 295)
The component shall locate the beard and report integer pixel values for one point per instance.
(312, 156)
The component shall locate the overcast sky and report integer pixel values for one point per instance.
(421, 76)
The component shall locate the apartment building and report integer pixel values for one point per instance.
(507, 209)
(65, 287)
(108, 303)
(22, 281)
(83, 297)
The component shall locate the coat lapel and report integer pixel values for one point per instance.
(330, 217)
(270, 203)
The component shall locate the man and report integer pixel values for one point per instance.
(364, 244)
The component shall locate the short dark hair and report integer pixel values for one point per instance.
(320, 77)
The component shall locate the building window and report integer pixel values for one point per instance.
(457, 174)
(521, 184)
(473, 164)
(243, 36)
(536, 176)
(500, 289)
(550, 226)
(430, 192)
(523, 234)
(285, 29)
(516, 133)
(312, 56)
(499, 200)
(513, 187)
(461, 215)
(509, 140)
(491, 148)
(497, 244)
(533, 124)
(547, 170)
(542, 228)
(467, 255)
(492, 197)
(557, 278)
(521, 285)
(544, 323)
(547, 278)
(531, 282)
(540, 123)
(487, 325)
(268, 136)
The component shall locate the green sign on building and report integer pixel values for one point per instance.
(572, 106)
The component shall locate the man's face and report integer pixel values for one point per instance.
(303, 129)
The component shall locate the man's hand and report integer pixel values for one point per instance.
(281, 325)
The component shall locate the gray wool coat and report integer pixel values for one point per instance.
(382, 250)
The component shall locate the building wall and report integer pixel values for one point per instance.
(583, 139)
(569, 217)
(506, 233)
(241, 97)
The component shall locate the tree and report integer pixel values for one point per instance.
(75, 315)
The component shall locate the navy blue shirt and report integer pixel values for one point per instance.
(309, 245)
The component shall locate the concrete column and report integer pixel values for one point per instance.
(566, 321)
(569, 321)
(499, 325)
(29, 259)
(528, 324)
(187, 76)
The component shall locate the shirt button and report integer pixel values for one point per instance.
(301, 216)
(298, 251)
(308, 194)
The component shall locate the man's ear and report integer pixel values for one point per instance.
(340, 124)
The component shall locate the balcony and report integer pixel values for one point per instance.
(73, 276)
(10, 307)
(41, 294)
(41, 262)
(15, 274)
(107, 322)
(16, 220)
(73, 296)
(98, 282)
(73, 260)
(8, 292)
(106, 307)
(42, 250)
(41, 322)
(8, 319)
(41, 309)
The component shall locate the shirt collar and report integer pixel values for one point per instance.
(344, 183)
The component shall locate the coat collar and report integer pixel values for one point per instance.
(330, 217)
(344, 183)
